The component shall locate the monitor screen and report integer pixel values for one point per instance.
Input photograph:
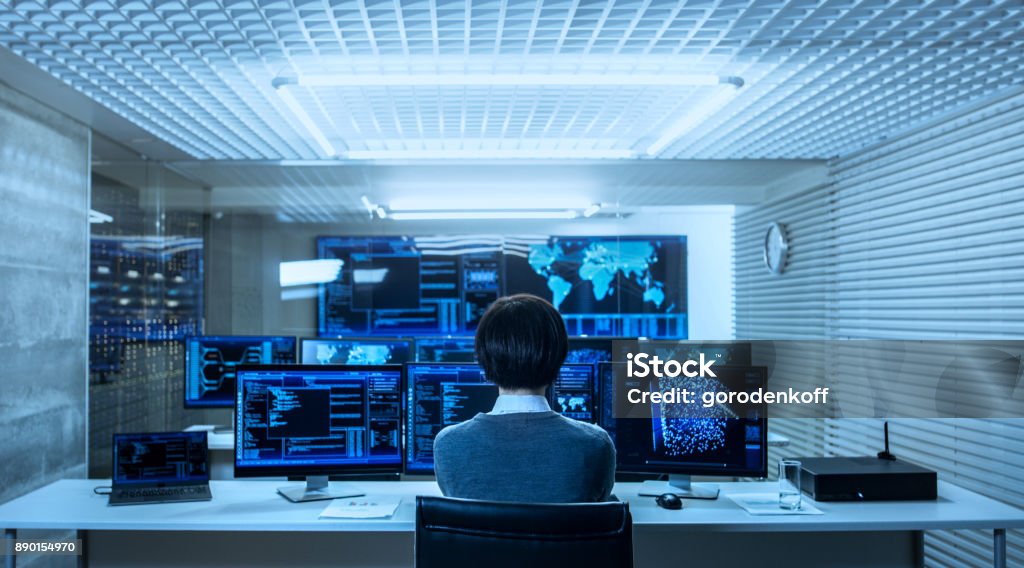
(724, 353)
(167, 458)
(211, 361)
(590, 349)
(721, 440)
(356, 351)
(445, 350)
(317, 420)
(574, 394)
(441, 285)
(440, 395)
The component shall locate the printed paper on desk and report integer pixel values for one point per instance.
(768, 504)
(361, 508)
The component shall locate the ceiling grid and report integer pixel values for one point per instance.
(822, 78)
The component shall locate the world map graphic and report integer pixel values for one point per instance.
(598, 263)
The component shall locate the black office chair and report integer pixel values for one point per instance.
(456, 533)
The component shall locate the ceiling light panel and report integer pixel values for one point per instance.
(467, 118)
(822, 78)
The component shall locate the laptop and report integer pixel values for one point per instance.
(168, 467)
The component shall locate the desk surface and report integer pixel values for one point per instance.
(255, 506)
(225, 440)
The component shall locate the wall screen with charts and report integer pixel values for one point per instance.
(603, 286)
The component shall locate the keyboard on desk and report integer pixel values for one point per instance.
(177, 494)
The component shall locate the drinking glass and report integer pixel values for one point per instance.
(789, 485)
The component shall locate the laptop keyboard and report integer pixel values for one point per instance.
(162, 494)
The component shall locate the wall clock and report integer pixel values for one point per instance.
(776, 248)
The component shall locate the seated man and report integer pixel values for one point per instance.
(522, 450)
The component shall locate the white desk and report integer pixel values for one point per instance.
(219, 441)
(131, 534)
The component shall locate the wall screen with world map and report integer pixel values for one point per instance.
(603, 286)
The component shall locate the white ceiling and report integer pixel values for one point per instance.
(822, 78)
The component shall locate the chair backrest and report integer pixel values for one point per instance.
(452, 533)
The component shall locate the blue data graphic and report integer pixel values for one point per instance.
(573, 395)
(368, 351)
(318, 418)
(210, 363)
(174, 457)
(591, 350)
(404, 285)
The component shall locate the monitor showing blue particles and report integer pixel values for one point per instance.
(160, 458)
(318, 420)
(356, 351)
(211, 362)
(440, 395)
(445, 350)
(415, 285)
(724, 440)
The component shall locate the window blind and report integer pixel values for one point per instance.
(918, 237)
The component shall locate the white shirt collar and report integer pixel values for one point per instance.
(513, 403)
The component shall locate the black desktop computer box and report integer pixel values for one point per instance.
(866, 479)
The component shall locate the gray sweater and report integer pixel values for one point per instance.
(538, 457)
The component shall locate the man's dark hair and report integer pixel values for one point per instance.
(521, 342)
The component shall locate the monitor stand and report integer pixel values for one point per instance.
(679, 485)
(317, 488)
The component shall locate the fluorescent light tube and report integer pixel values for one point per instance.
(591, 210)
(283, 90)
(304, 272)
(520, 202)
(97, 217)
(468, 215)
(484, 154)
(506, 79)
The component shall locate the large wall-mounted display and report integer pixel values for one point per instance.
(402, 285)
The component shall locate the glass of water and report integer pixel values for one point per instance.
(789, 485)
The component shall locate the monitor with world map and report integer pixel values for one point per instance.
(413, 285)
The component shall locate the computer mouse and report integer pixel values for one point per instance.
(669, 501)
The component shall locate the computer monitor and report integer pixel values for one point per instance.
(591, 349)
(682, 440)
(736, 353)
(574, 394)
(445, 350)
(211, 362)
(159, 459)
(439, 395)
(356, 351)
(318, 420)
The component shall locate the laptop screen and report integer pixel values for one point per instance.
(170, 458)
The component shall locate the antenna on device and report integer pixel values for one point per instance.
(885, 454)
